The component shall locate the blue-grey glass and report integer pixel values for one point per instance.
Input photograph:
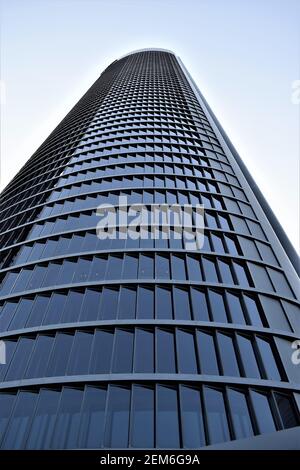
(80, 353)
(144, 351)
(98, 268)
(252, 310)
(227, 355)
(117, 417)
(146, 267)
(101, 355)
(19, 422)
(182, 307)
(7, 314)
(114, 267)
(123, 351)
(263, 414)
(61, 349)
(268, 359)
(22, 280)
(145, 303)
(210, 272)
(130, 267)
(165, 351)
(55, 309)
(7, 401)
(248, 356)
(10, 347)
(72, 307)
(217, 307)
(194, 270)
(162, 267)
(92, 418)
(66, 273)
(207, 354)
(225, 271)
(167, 418)
(142, 417)
(199, 304)
(109, 304)
(163, 303)
(240, 414)
(52, 274)
(67, 424)
(82, 271)
(186, 356)
(178, 268)
(235, 309)
(43, 421)
(20, 359)
(127, 303)
(216, 417)
(286, 410)
(91, 305)
(193, 435)
(38, 311)
(39, 357)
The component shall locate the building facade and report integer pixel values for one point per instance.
(143, 342)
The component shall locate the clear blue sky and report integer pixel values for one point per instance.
(243, 54)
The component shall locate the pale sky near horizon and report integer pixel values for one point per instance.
(243, 55)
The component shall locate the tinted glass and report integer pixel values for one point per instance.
(91, 305)
(191, 417)
(127, 303)
(206, 349)
(101, 352)
(7, 401)
(165, 350)
(228, 356)
(217, 307)
(109, 304)
(61, 348)
(162, 267)
(263, 414)
(199, 303)
(235, 309)
(38, 311)
(145, 303)
(39, 357)
(163, 303)
(92, 418)
(216, 416)
(80, 353)
(167, 424)
(72, 307)
(55, 309)
(240, 414)
(268, 359)
(117, 420)
(181, 304)
(144, 351)
(248, 356)
(187, 363)
(20, 359)
(123, 351)
(142, 420)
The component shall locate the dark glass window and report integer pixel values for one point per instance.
(268, 359)
(10, 347)
(123, 351)
(286, 410)
(66, 429)
(92, 418)
(216, 416)
(55, 309)
(22, 280)
(7, 401)
(91, 305)
(194, 270)
(130, 266)
(142, 419)
(80, 353)
(52, 275)
(8, 282)
(209, 270)
(38, 311)
(82, 270)
(162, 267)
(39, 358)
(19, 421)
(144, 351)
(227, 354)
(66, 273)
(193, 435)
(248, 356)
(127, 303)
(187, 363)
(167, 420)
(165, 351)
(72, 307)
(61, 349)
(181, 304)
(146, 267)
(217, 307)
(7, 314)
(235, 309)
(42, 425)
(102, 352)
(240, 414)
(163, 303)
(109, 303)
(263, 413)
(145, 303)
(117, 420)
(225, 271)
(207, 354)
(98, 268)
(20, 359)
(252, 310)
(114, 267)
(178, 267)
(241, 275)
(199, 303)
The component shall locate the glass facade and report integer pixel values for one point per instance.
(141, 342)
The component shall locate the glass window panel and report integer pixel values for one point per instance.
(123, 351)
(66, 273)
(167, 420)
(55, 309)
(10, 347)
(268, 359)
(209, 270)
(80, 353)
(240, 414)
(252, 310)
(92, 418)
(199, 303)
(163, 303)
(144, 351)
(39, 357)
(263, 413)
(61, 349)
(21, 282)
(146, 267)
(42, 425)
(145, 303)
(72, 307)
(235, 309)
(130, 266)
(109, 304)
(20, 421)
(217, 307)
(20, 359)
(127, 303)
(52, 275)
(207, 353)
(240, 272)
(7, 314)
(22, 313)
(193, 435)
(194, 270)
(165, 351)
(286, 410)
(142, 418)
(101, 352)
(66, 430)
(82, 270)
(248, 357)
(114, 267)
(36, 279)
(117, 420)
(227, 355)
(178, 267)
(7, 401)
(162, 267)
(187, 363)
(91, 305)
(37, 313)
(216, 416)
(181, 304)
(225, 271)
(98, 268)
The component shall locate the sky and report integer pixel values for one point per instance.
(243, 55)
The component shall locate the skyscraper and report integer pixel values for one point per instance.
(143, 342)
